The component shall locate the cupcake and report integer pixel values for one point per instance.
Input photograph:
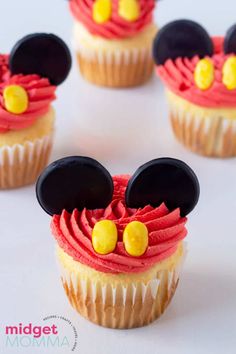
(199, 73)
(119, 240)
(113, 40)
(38, 63)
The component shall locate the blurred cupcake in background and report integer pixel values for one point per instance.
(113, 40)
(29, 76)
(199, 73)
(119, 240)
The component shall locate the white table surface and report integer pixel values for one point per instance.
(122, 129)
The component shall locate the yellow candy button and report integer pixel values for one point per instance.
(204, 74)
(104, 237)
(229, 73)
(129, 10)
(102, 11)
(135, 238)
(15, 99)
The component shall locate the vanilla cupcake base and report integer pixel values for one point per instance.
(115, 63)
(120, 301)
(205, 131)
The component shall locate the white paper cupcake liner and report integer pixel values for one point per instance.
(115, 68)
(20, 165)
(213, 135)
(117, 57)
(122, 305)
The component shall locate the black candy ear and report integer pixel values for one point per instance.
(164, 180)
(181, 38)
(230, 41)
(43, 54)
(74, 182)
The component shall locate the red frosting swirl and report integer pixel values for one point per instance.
(116, 27)
(178, 75)
(40, 94)
(4, 67)
(73, 233)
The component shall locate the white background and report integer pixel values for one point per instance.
(122, 129)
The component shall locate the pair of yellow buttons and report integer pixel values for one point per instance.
(204, 74)
(105, 237)
(15, 99)
(128, 9)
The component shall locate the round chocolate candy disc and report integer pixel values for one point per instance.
(181, 38)
(230, 41)
(43, 54)
(74, 182)
(164, 180)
